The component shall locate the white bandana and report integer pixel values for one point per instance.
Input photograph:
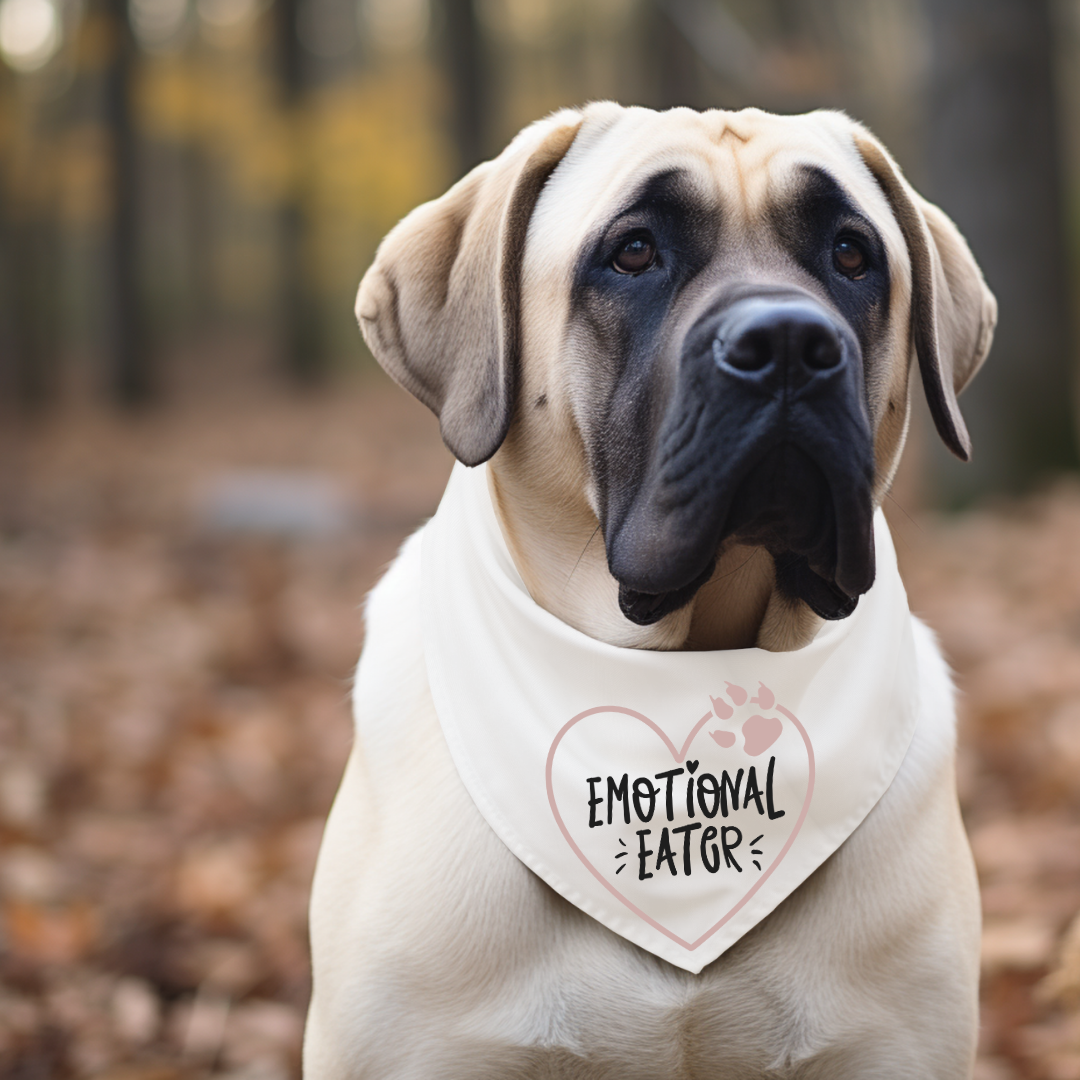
(676, 797)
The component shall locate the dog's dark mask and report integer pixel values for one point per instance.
(739, 408)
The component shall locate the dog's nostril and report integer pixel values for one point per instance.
(821, 350)
(750, 351)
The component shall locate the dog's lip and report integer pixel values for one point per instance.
(645, 608)
(823, 542)
(827, 561)
(794, 575)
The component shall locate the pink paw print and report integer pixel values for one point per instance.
(759, 732)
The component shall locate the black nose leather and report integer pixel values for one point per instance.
(771, 337)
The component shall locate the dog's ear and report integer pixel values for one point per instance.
(440, 306)
(953, 313)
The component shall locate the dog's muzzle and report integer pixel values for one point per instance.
(766, 441)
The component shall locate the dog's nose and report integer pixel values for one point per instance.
(770, 337)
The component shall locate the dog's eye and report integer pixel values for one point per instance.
(848, 258)
(636, 254)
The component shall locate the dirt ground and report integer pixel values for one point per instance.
(179, 614)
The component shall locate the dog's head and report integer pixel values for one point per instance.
(699, 324)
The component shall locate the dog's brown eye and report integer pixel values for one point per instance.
(637, 254)
(848, 258)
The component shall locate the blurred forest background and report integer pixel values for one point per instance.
(202, 472)
(174, 173)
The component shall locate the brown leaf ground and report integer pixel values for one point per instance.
(173, 723)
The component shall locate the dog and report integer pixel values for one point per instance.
(683, 343)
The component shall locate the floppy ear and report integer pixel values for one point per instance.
(952, 311)
(440, 306)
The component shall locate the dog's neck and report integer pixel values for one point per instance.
(558, 548)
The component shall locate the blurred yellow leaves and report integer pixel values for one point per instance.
(225, 108)
(373, 152)
(357, 154)
(83, 175)
(536, 22)
(354, 154)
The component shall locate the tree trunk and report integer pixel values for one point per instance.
(993, 165)
(467, 75)
(33, 288)
(130, 372)
(303, 354)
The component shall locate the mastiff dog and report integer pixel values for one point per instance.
(683, 344)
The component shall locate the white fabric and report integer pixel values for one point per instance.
(532, 710)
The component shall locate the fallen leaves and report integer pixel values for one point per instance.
(50, 933)
(174, 721)
(1002, 588)
(1063, 984)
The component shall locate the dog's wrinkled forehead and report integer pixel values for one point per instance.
(742, 168)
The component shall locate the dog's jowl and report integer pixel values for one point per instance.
(653, 772)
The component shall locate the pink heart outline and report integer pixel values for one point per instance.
(679, 757)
